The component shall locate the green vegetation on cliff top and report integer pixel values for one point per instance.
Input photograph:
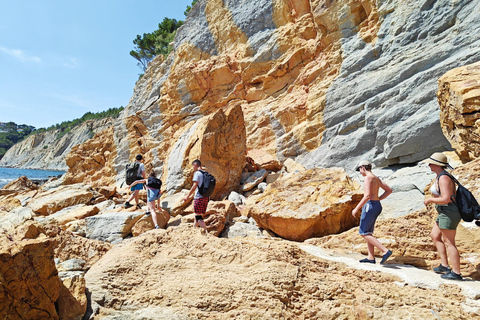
(158, 42)
(11, 133)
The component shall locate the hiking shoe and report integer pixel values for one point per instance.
(147, 213)
(127, 205)
(441, 269)
(157, 227)
(452, 276)
(367, 260)
(386, 256)
(139, 206)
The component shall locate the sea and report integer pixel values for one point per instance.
(10, 174)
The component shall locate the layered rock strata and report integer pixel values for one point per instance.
(459, 99)
(48, 150)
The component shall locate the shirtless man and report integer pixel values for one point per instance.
(371, 209)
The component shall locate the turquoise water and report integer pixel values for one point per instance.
(10, 174)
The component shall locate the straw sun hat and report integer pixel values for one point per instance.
(437, 158)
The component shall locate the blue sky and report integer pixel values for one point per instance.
(61, 59)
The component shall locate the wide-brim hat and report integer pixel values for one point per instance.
(437, 158)
(363, 163)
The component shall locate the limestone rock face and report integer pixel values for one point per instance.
(29, 285)
(92, 161)
(72, 303)
(313, 203)
(62, 197)
(73, 213)
(48, 150)
(21, 184)
(459, 99)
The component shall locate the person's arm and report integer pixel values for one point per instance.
(192, 190)
(137, 182)
(386, 188)
(445, 184)
(366, 195)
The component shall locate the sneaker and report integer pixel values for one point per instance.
(386, 256)
(147, 213)
(441, 269)
(139, 207)
(452, 276)
(127, 205)
(367, 260)
(157, 227)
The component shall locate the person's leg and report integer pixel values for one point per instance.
(373, 242)
(137, 196)
(449, 238)
(202, 224)
(132, 196)
(151, 208)
(436, 236)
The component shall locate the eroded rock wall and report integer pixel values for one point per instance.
(324, 82)
(48, 150)
(459, 100)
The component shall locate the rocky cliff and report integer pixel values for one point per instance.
(48, 150)
(323, 82)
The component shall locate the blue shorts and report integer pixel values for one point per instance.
(370, 212)
(137, 187)
(153, 194)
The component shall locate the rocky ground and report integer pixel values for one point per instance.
(92, 259)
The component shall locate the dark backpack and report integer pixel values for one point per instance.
(131, 173)
(154, 183)
(465, 201)
(208, 185)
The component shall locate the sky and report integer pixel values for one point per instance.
(60, 59)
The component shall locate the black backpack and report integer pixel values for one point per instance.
(154, 183)
(131, 173)
(208, 185)
(465, 201)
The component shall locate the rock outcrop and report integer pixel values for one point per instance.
(247, 279)
(459, 99)
(48, 150)
(29, 285)
(313, 203)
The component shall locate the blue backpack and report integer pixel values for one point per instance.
(465, 201)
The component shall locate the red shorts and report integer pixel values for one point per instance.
(200, 205)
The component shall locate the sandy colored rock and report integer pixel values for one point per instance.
(293, 166)
(278, 281)
(59, 198)
(107, 191)
(29, 285)
(218, 214)
(459, 99)
(146, 223)
(92, 161)
(313, 203)
(69, 214)
(174, 203)
(21, 184)
(72, 301)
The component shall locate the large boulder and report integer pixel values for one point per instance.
(111, 226)
(459, 99)
(218, 141)
(62, 197)
(29, 285)
(254, 180)
(313, 203)
(21, 184)
(217, 215)
(73, 213)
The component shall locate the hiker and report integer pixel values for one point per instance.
(153, 185)
(371, 209)
(444, 229)
(200, 202)
(137, 187)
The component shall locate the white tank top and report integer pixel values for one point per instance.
(433, 190)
